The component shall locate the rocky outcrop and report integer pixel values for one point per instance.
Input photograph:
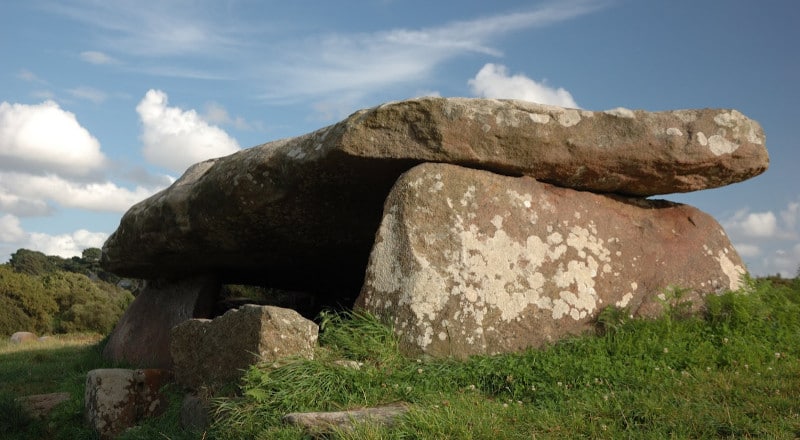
(117, 398)
(141, 337)
(215, 352)
(470, 262)
(274, 213)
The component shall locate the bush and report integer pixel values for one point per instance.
(58, 302)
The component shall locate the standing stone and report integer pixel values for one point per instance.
(116, 398)
(214, 352)
(469, 262)
(141, 337)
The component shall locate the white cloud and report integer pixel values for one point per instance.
(20, 206)
(89, 94)
(174, 138)
(752, 224)
(768, 243)
(27, 75)
(95, 57)
(10, 230)
(157, 29)
(747, 250)
(759, 224)
(65, 245)
(217, 114)
(493, 81)
(94, 196)
(45, 138)
(360, 63)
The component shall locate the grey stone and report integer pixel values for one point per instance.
(216, 352)
(469, 262)
(20, 337)
(141, 337)
(116, 399)
(318, 423)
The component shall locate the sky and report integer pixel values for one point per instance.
(105, 102)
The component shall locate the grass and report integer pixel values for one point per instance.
(733, 372)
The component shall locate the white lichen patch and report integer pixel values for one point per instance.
(739, 126)
(539, 118)
(673, 131)
(625, 300)
(733, 271)
(685, 116)
(719, 145)
(297, 153)
(568, 117)
(701, 138)
(621, 112)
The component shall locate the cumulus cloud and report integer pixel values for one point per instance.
(747, 250)
(10, 229)
(753, 224)
(44, 138)
(174, 138)
(65, 245)
(94, 196)
(768, 242)
(493, 81)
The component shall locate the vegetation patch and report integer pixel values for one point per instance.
(730, 372)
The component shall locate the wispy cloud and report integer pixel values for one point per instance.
(89, 94)
(157, 29)
(95, 57)
(335, 63)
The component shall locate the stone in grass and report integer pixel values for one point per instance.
(116, 398)
(20, 337)
(216, 352)
(324, 422)
(40, 405)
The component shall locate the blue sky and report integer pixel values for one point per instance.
(104, 102)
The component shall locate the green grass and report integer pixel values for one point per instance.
(733, 372)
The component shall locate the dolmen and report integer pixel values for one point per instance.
(472, 226)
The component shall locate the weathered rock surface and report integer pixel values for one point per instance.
(117, 398)
(470, 262)
(20, 337)
(40, 405)
(318, 423)
(213, 352)
(141, 337)
(195, 413)
(272, 214)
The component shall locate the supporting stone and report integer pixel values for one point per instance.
(470, 262)
(141, 337)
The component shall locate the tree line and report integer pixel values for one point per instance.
(48, 294)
